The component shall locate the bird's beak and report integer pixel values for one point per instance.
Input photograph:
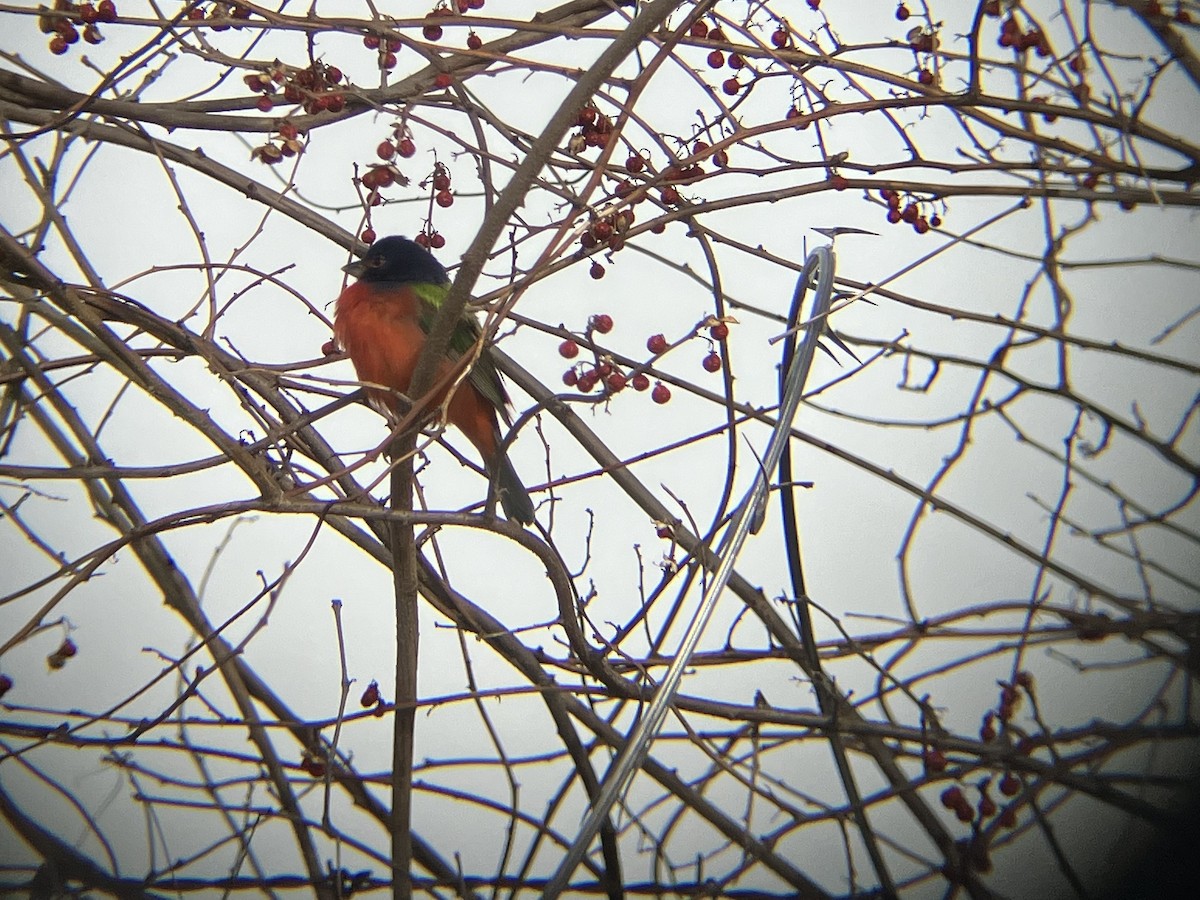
(354, 269)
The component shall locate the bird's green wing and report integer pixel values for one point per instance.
(484, 375)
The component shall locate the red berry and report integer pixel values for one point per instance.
(661, 393)
(370, 696)
(716, 34)
(838, 182)
(106, 11)
(474, 41)
(716, 59)
(780, 37)
(385, 150)
(371, 41)
(568, 349)
(335, 102)
(698, 29)
(463, 6)
(925, 77)
(921, 225)
(657, 343)
(721, 158)
(432, 32)
(87, 13)
(596, 271)
(570, 378)
(602, 323)
(664, 532)
(436, 241)
(640, 381)
(92, 34)
(670, 196)
(893, 216)
(406, 148)
(712, 362)
(736, 62)
(814, 4)
(588, 380)
(902, 13)
(422, 239)
(615, 382)
(935, 760)
(935, 221)
(368, 235)
(264, 103)
(635, 163)
(731, 86)
(442, 80)
(475, 4)
(444, 199)
(333, 74)
(1010, 785)
(58, 46)
(719, 332)
(388, 60)
(67, 648)
(952, 796)
(441, 182)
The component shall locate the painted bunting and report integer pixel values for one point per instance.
(382, 321)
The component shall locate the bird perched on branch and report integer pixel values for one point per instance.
(382, 321)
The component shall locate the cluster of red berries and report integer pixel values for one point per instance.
(609, 231)
(429, 238)
(384, 174)
(718, 59)
(586, 376)
(712, 362)
(439, 183)
(1011, 35)
(595, 128)
(910, 214)
(1010, 699)
(433, 31)
(955, 800)
(59, 657)
(220, 14)
(288, 145)
(372, 697)
(387, 48)
(315, 88)
(62, 29)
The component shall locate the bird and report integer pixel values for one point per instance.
(382, 321)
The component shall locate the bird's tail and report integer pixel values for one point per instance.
(517, 504)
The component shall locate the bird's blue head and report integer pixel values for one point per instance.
(397, 260)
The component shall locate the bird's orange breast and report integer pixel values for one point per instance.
(380, 329)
